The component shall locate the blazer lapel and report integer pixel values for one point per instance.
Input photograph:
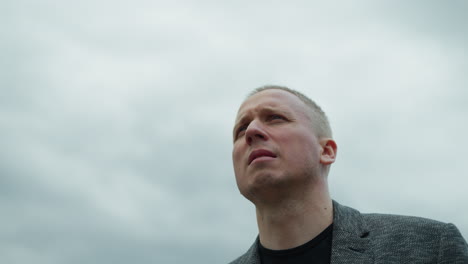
(350, 242)
(252, 256)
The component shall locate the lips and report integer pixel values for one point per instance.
(260, 153)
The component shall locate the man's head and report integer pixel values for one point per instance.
(282, 143)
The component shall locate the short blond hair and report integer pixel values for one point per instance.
(320, 121)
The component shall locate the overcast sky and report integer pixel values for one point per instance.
(116, 118)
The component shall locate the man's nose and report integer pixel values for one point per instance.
(254, 132)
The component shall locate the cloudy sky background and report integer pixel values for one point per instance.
(116, 118)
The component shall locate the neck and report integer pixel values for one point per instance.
(294, 222)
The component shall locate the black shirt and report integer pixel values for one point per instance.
(317, 251)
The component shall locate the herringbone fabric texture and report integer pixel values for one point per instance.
(379, 238)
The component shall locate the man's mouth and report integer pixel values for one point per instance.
(260, 153)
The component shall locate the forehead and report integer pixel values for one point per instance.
(274, 99)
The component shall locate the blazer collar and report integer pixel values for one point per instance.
(350, 242)
(252, 256)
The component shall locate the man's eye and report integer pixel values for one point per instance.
(240, 130)
(275, 117)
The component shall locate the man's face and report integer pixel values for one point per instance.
(275, 147)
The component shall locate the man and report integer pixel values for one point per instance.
(283, 150)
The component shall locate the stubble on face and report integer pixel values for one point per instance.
(292, 140)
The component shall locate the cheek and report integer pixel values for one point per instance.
(304, 148)
(236, 157)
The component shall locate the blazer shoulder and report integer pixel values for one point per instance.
(397, 225)
(401, 239)
(393, 219)
(427, 237)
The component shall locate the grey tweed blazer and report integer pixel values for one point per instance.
(378, 238)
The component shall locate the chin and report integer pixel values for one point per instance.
(265, 187)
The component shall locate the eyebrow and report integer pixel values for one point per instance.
(263, 110)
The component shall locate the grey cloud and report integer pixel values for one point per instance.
(116, 120)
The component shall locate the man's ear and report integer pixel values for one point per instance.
(329, 151)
